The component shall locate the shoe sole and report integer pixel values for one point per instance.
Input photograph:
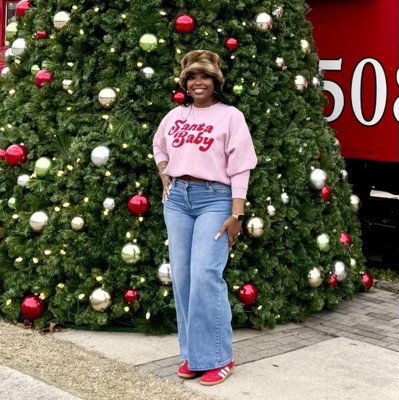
(217, 382)
(187, 376)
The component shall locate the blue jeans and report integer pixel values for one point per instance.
(194, 213)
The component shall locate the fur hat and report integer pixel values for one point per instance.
(200, 61)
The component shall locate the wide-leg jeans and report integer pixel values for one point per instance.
(194, 213)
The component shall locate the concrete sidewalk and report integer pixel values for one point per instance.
(352, 353)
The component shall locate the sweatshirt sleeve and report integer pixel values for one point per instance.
(159, 143)
(241, 157)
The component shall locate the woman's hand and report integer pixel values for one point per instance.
(166, 184)
(233, 228)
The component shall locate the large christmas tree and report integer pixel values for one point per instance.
(83, 237)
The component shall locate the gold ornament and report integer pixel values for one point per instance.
(42, 166)
(107, 97)
(77, 223)
(315, 278)
(323, 242)
(255, 227)
(61, 19)
(100, 299)
(264, 21)
(148, 42)
(238, 89)
(131, 253)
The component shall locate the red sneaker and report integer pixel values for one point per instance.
(218, 375)
(186, 373)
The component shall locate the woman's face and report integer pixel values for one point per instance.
(200, 86)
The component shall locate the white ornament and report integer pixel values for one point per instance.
(61, 19)
(66, 83)
(285, 198)
(280, 62)
(316, 81)
(109, 203)
(305, 45)
(318, 178)
(148, 72)
(23, 180)
(355, 202)
(339, 269)
(100, 155)
(38, 220)
(18, 46)
(271, 210)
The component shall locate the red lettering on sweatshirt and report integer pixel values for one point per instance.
(191, 133)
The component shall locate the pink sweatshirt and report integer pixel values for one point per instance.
(211, 143)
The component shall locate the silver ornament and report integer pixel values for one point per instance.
(271, 210)
(255, 227)
(305, 46)
(100, 155)
(323, 242)
(339, 269)
(131, 253)
(66, 84)
(8, 53)
(60, 19)
(344, 174)
(355, 202)
(316, 81)
(100, 299)
(301, 83)
(107, 97)
(264, 21)
(315, 277)
(77, 223)
(278, 12)
(109, 203)
(165, 273)
(18, 46)
(318, 178)
(5, 72)
(285, 198)
(148, 72)
(23, 180)
(336, 142)
(38, 220)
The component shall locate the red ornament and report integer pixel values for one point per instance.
(22, 7)
(41, 34)
(43, 77)
(178, 97)
(326, 193)
(231, 44)
(138, 205)
(345, 239)
(248, 293)
(131, 295)
(184, 23)
(15, 154)
(333, 282)
(32, 307)
(367, 280)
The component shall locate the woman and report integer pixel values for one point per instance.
(204, 153)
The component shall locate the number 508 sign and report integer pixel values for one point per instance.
(358, 47)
